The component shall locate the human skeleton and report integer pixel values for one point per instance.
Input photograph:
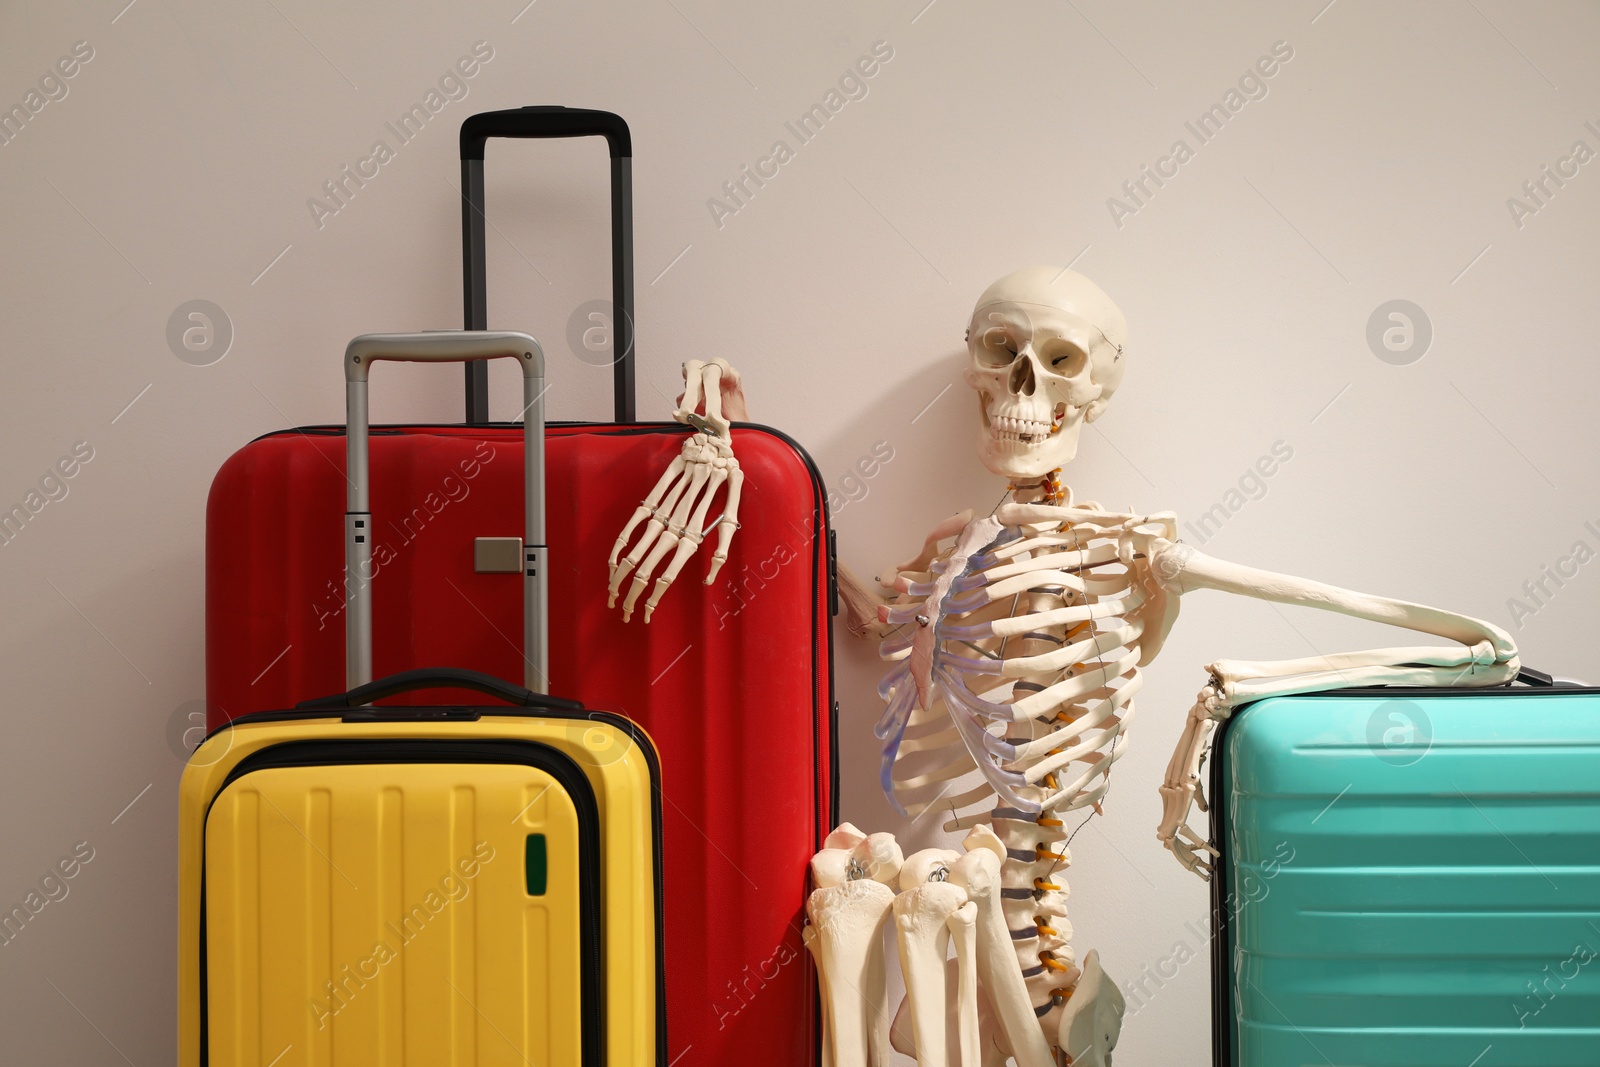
(1016, 642)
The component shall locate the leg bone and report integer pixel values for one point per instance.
(922, 914)
(992, 1050)
(964, 931)
(813, 943)
(848, 912)
(847, 921)
(978, 872)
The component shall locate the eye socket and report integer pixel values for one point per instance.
(1066, 359)
(996, 347)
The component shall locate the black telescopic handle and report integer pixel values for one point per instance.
(544, 122)
(439, 678)
(551, 120)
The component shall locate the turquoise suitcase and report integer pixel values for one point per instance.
(1408, 877)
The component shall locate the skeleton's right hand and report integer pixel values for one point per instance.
(713, 396)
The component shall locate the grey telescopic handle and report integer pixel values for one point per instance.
(442, 346)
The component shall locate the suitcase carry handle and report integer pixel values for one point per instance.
(442, 346)
(438, 678)
(548, 122)
(1538, 679)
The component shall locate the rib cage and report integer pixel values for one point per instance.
(1018, 658)
(1015, 665)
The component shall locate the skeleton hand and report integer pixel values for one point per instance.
(677, 506)
(1181, 789)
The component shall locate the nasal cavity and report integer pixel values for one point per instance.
(1022, 376)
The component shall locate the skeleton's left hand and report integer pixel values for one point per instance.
(677, 506)
(1181, 790)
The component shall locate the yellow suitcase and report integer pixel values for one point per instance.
(423, 886)
(409, 886)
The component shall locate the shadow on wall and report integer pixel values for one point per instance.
(926, 421)
(912, 447)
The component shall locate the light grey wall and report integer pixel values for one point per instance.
(1377, 166)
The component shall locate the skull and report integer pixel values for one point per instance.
(1046, 354)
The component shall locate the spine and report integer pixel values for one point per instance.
(1033, 876)
(1033, 880)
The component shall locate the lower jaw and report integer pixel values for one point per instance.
(1012, 460)
(1017, 444)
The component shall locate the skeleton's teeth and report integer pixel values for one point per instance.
(1025, 431)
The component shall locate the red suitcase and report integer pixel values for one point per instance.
(733, 681)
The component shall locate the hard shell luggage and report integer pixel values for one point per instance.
(424, 885)
(1408, 877)
(733, 681)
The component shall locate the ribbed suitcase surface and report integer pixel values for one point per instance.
(732, 681)
(1411, 879)
(446, 886)
(323, 881)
